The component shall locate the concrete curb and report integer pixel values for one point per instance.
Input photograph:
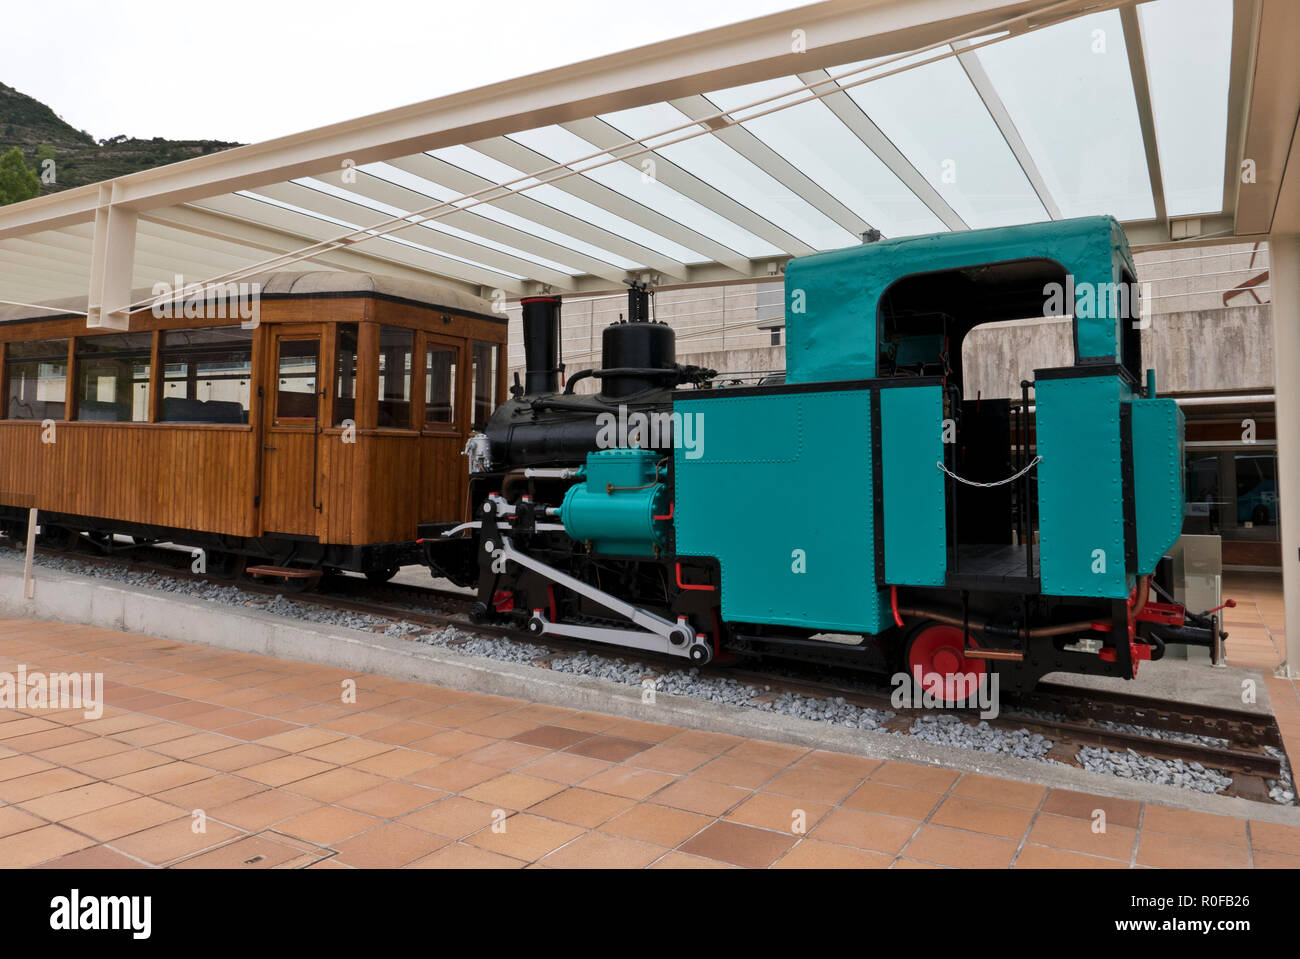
(70, 598)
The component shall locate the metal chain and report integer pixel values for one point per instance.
(1010, 479)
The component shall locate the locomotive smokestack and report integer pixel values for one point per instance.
(541, 344)
(638, 302)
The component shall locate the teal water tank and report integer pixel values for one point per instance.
(615, 508)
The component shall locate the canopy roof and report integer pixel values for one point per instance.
(718, 156)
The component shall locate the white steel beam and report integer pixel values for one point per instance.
(605, 137)
(979, 79)
(453, 177)
(111, 263)
(515, 154)
(1137, 65)
(1241, 71)
(751, 148)
(873, 138)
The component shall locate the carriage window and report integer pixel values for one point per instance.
(295, 397)
(345, 374)
(206, 375)
(113, 377)
(396, 352)
(487, 358)
(440, 384)
(37, 374)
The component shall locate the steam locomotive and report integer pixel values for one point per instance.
(866, 511)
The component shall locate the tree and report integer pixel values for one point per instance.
(17, 180)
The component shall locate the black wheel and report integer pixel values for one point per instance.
(478, 613)
(382, 575)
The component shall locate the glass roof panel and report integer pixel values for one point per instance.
(1070, 95)
(1188, 48)
(437, 191)
(731, 173)
(439, 226)
(814, 139)
(469, 159)
(936, 119)
(562, 146)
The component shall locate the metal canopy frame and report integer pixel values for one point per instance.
(570, 232)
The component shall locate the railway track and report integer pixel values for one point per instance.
(1237, 742)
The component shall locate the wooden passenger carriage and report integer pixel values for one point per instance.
(319, 432)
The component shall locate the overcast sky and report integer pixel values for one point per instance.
(250, 70)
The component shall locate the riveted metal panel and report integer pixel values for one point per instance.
(1158, 478)
(915, 527)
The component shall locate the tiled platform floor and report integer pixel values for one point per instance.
(284, 773)
(1257, 640)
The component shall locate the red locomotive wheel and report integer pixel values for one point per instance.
(946, 672)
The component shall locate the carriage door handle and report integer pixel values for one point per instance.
(268, 447)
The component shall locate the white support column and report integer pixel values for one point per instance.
(1284, 264)
(112, 264)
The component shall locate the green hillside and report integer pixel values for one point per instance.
(79, 159)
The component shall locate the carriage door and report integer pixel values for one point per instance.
(291, 424)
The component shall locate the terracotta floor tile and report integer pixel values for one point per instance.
(160, 778)
(994, 819)
(550, 737)
(1067, 802)
(451, 743)
(285, 770)
(336, 784)
(387, 846)
(1275, 860)
(173, 840)
(403, 733)
(779, 813)
(454, 817)
(701, 796)
(893, 800)
(251, 852)
(349, 750)
(458, 855)
(327, 825)
(153, 734)
(301, 740)
(850, 827)
(82, 751)
(1005, 791)
(737, 772)
(582, 807)
(914, 776)
(613, 749)
(453, 775)
(238, 757)
(93, 857)
(957, 847)
(658, 825)
(59, 806)
(125, 818)
(121, 764)
(634, 729)
(680, 860)
(14, 820)
(513, 791)
(1197, 825)
(700, 741)
(41, 784)
(598, 850)
(33, 846)
(740, 845)
(838, 764)
(525, 837)
(812, 854)
(257, 729)
(187, 747)
(505, 754)
(357, 724)
(495, 727)
(1077, 835)
(811, 786)
(774, 754)
(211, 792)
(15, 767)
(398, 763)
(263, 809)
(391, 799)
(1275, 837)
(1183, 852)
(1044, 857)
(670, 759)
(565, 768)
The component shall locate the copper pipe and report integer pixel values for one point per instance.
(1037, 632)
